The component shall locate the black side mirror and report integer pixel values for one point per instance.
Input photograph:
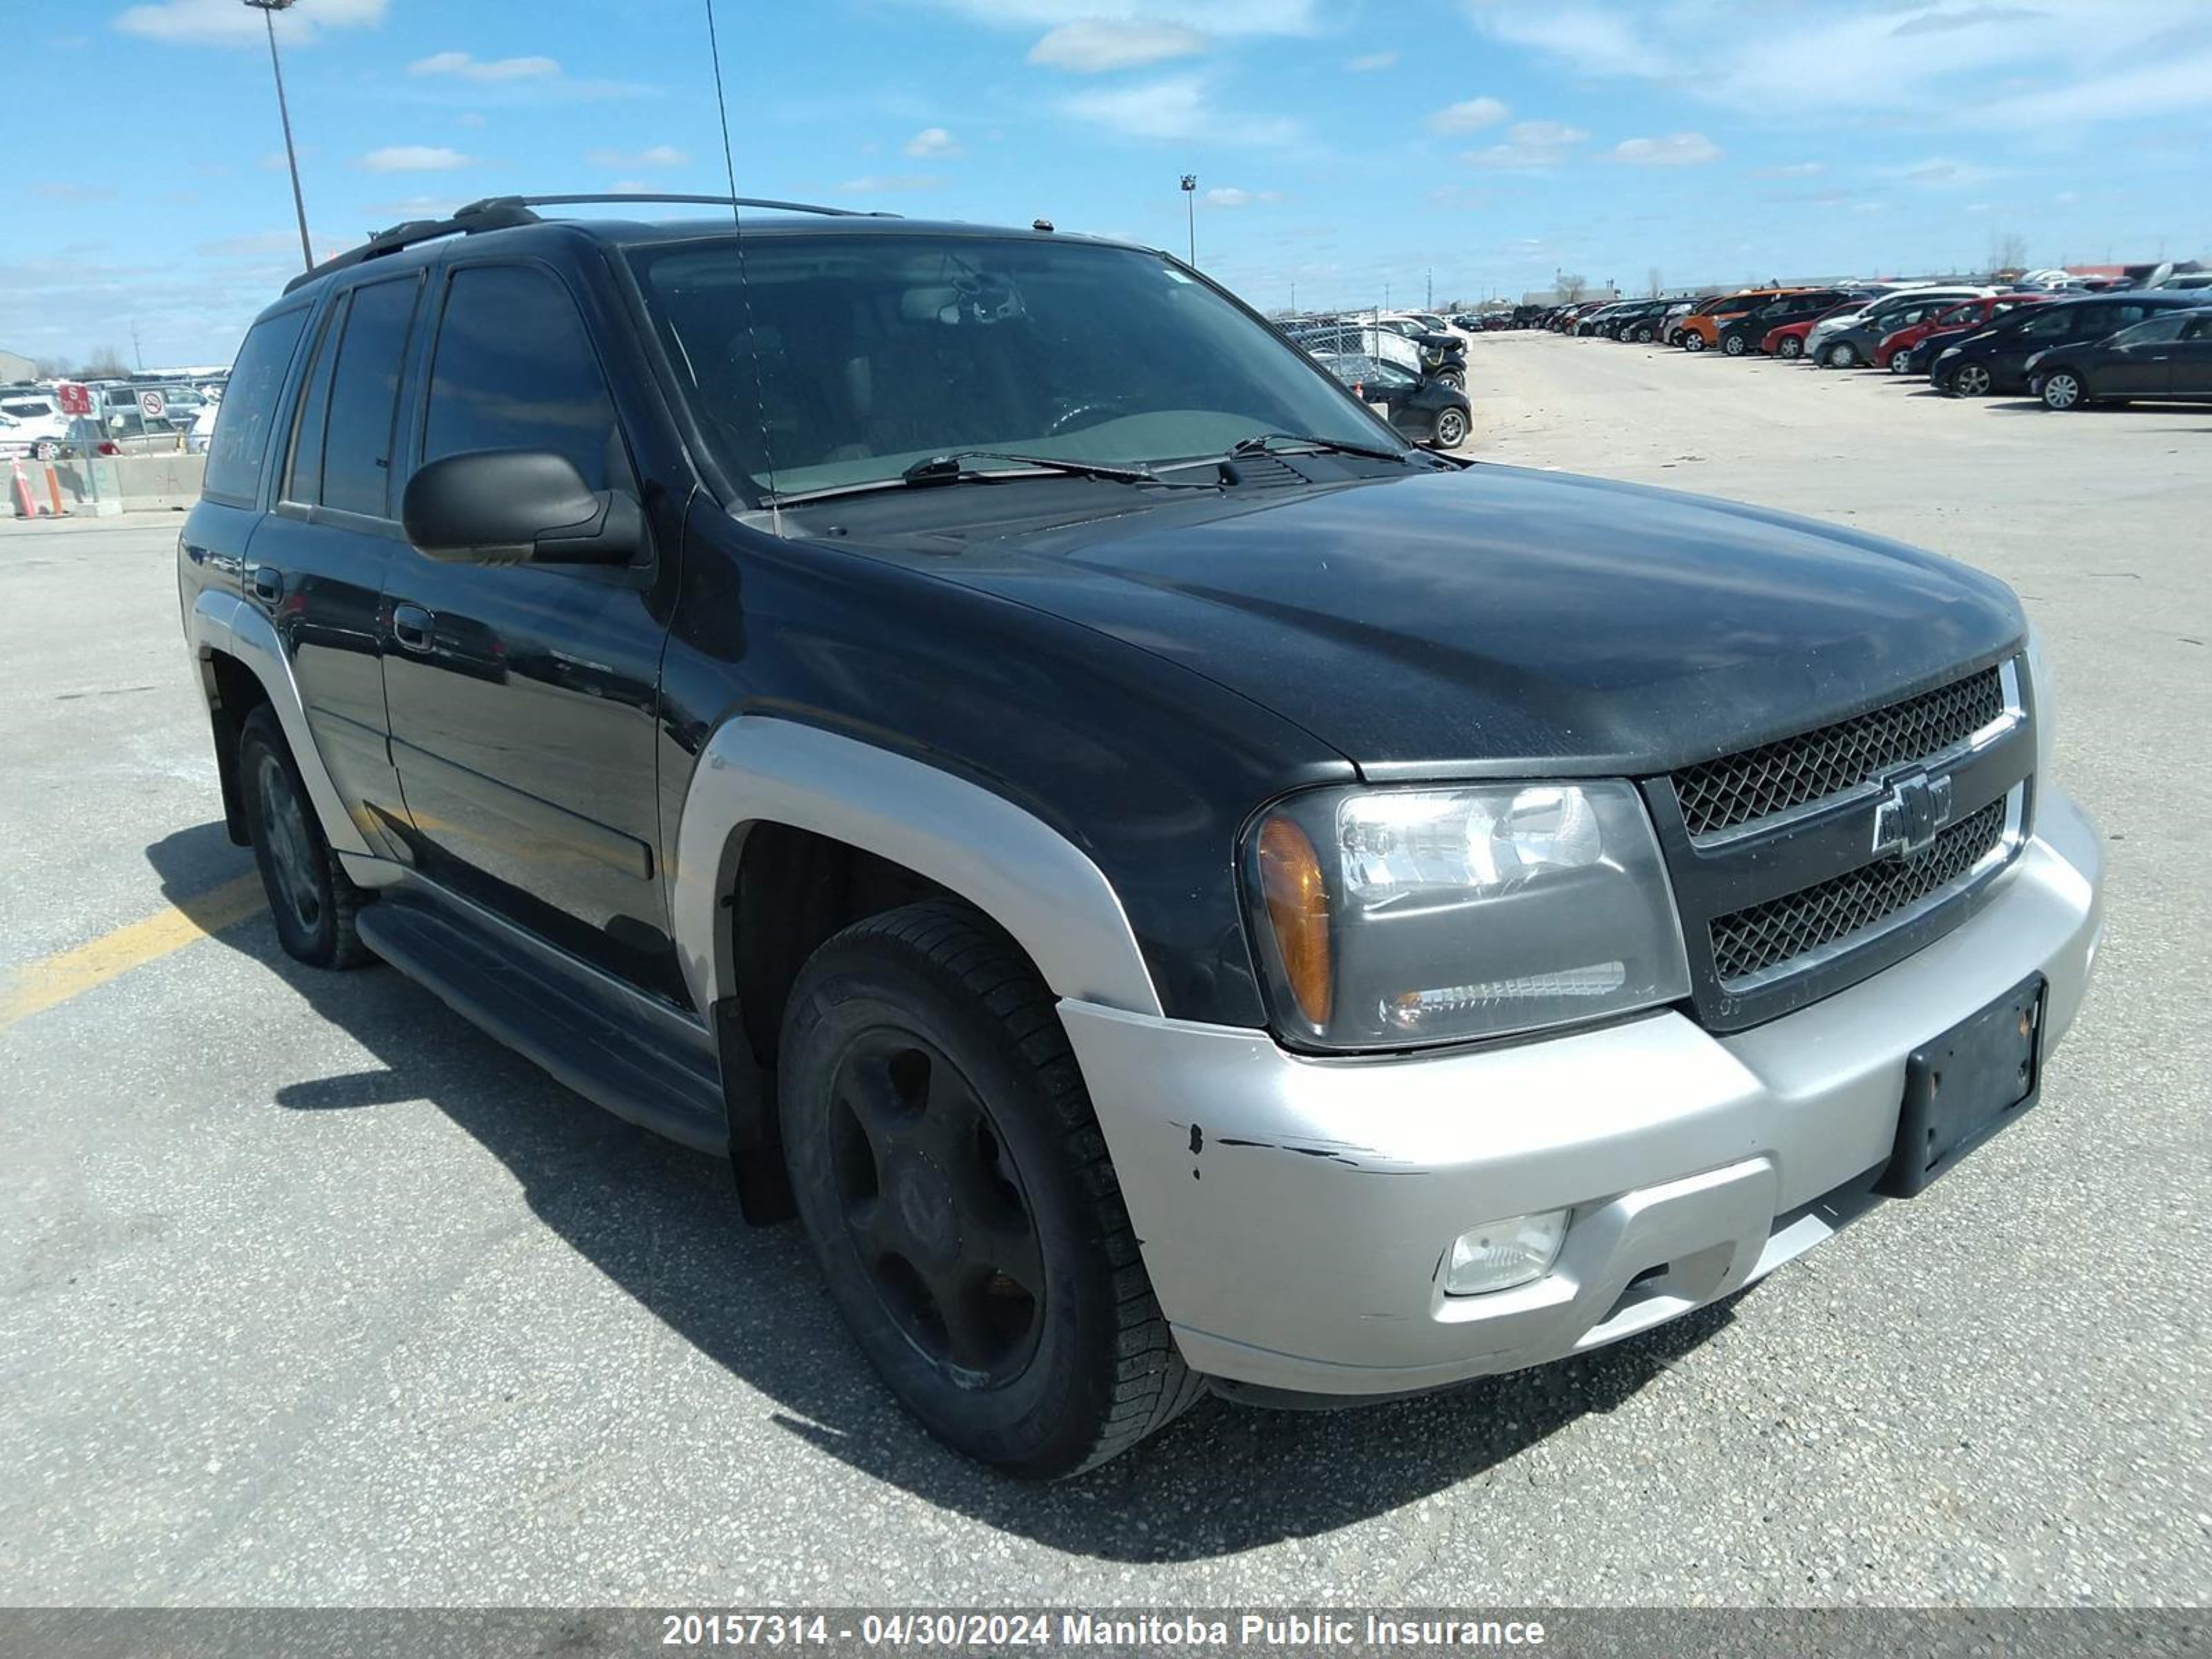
(512, 506)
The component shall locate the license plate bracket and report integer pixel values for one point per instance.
(1964, 1086)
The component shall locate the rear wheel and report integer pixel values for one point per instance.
(952, 1177)
(310, 899)
(46, 449)
(1450, 429)
(2062, 390)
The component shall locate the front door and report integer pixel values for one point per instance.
(523, 697)
(2192, 360)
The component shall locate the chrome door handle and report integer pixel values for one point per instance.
(268, 583)
(411, 626)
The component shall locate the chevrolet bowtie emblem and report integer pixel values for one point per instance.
(1906, 818)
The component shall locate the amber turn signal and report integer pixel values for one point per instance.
(1297, 909)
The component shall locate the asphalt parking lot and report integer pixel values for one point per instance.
(310, 1293)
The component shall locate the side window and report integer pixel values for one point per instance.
(303, 479)
(2121, 317)
(2051, 325)
(2200, 328)
(515, 370)
(236, 452)
(364, 395)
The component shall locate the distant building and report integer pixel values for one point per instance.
(13, 368)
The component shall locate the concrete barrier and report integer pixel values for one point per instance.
(131, 483)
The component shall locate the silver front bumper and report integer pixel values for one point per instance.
(1294, 1212)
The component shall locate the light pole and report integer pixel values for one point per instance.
(269, 8)
(1190, 212)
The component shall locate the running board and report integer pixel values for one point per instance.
(556, 1019)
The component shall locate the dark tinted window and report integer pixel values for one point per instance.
(2200, 328)
(304, 480)
(364, 392)
(2054, 324)
(515, 370)
(249, 407)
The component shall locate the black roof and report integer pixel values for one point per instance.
(515, 219)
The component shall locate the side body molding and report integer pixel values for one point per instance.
(224, 622)
(1025, 875)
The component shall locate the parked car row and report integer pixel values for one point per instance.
(2067, 347)
(128, 417)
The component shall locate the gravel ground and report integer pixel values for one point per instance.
(310, 1293)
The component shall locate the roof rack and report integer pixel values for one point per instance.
(504, 212)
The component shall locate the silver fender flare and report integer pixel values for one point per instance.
(1010, 864)
(225, 623)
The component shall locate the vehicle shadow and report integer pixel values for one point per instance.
(662, 1223)
(2140, 408)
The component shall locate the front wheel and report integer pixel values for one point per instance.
(310, 899)
(1968, 380)
(1899, 361)
(2062, 390)
(1644, 336)
(952, 1177)
(1791, 348)
(1732, 345)
(1842, 355)
(1450, 429)
(1693, 341)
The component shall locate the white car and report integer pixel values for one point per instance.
(31, 424)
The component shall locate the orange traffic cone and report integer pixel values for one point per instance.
(27, 505)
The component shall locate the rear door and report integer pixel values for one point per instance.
(524, 697)
(318, 560)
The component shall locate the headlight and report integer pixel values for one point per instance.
(1395, 917)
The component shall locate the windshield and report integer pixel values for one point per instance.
(842, 360)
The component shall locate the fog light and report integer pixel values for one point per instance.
(1499, 1254)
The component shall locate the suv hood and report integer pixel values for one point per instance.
(1496, 619)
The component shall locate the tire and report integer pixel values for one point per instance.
(938, 1134)
(1968, 380)
(1644, 336)
(1791, 348)
(2063, 390)
(1842, 355)
(310, 899)
(1692, 341)
(1732, 345)
(1450, 430)
(46, 449)
(1899, 361)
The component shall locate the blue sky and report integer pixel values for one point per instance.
(1340, 145)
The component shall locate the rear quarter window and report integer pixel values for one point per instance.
(239, 449)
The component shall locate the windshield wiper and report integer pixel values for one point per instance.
(952, 467)
(1260, 443)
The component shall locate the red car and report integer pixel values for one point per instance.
(1788, 340)
(1966, 314)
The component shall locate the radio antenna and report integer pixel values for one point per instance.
(745, 292)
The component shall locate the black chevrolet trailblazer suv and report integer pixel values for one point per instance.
(1176, 887)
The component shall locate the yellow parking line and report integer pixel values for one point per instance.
(44, 984)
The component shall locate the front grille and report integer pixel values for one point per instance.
(1749, 942)
(1739, 789)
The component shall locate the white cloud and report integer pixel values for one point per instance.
(1942, 172)
(461, 64)
(1221, 17)
(1677, 149)
(226, 22)
(2074, 63)
(1093, 45)
(1529, 145)
(891, 184)
(1468, 115)
(1369, 62)
(658, 155)
(932, 142)
(1181, 108)
(1230, 196)
(1791, 170)
(469, 119)
(415, 158)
